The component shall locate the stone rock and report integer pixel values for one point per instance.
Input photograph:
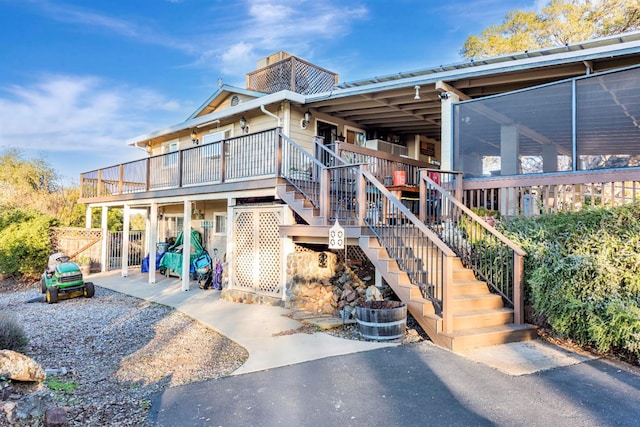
(9, 409)
(55, 417)
(31, 406)
(20, 367)
(373, 294)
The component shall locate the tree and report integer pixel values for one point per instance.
(32, 183)
(26, 183)
(559, 23)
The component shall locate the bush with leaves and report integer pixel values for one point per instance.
(24, 241)
(581, 274)
(12, 336)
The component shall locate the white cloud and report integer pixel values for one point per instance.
(237, 59)
(80, 113)
(273, 25)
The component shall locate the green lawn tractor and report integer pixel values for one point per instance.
(63, 279)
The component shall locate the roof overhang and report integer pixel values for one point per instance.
(388, 103)
(226, 114)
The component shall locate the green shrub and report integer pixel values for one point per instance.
(12, 336)
(581, 274)
(24, 241)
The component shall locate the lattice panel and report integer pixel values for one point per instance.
(76, 232)
(243, 265)
(269, 252)
(273, 79)
(291, 74)
(309, 79)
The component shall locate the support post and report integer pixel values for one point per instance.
(186, 246)
(87, 217)
(152, 238)
(518, 294)
(125, 240)
(105, 236)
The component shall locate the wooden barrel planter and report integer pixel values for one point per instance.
(378, 322)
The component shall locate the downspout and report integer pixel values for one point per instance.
(269, 113)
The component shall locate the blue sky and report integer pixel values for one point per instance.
(79, 78)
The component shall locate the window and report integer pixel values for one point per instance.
(215, 139)
(220, 223)
(355, 136)
(174, 225)
(170, 160)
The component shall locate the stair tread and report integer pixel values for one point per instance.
(467, 282)
(476, 296)
(483, 312)
(508, 327)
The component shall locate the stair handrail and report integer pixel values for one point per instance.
(301, 169)
(479, 245)
(417, 249)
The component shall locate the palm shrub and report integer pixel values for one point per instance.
(12, 336)
(581, 274)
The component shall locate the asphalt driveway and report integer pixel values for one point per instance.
(410, 385)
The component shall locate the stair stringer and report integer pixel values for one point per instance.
(422, 310)
(424, 313)
(299, 204)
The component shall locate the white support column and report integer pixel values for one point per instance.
(510, 165)
(231, 248)
(152, 239)
(186, 246)
(105, 235)
(446, 130)
(126, 219)
(87, 217)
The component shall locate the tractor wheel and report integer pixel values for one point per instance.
(89, 290)
(52, 295)
(43, 286)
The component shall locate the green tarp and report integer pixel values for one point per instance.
(172, 260)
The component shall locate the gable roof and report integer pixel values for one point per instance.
(227, 113)
(388, 102)
(214, 101)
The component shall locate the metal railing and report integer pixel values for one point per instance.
(115, 244)
(492, 257)
(417, 249)
(302, 170)
(235, 159)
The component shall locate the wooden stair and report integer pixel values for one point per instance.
(479, 317)
(296, 201)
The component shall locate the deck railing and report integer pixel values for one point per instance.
(416, 248)
(493, 257)
(245, 157)
(553, 192)
(302, 170)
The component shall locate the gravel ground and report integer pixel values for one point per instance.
(117, 350)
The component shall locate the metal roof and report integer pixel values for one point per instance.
(387, 103)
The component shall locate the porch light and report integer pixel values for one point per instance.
(306, 120)
(243, 125)
(417, 88)
(194, 137)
